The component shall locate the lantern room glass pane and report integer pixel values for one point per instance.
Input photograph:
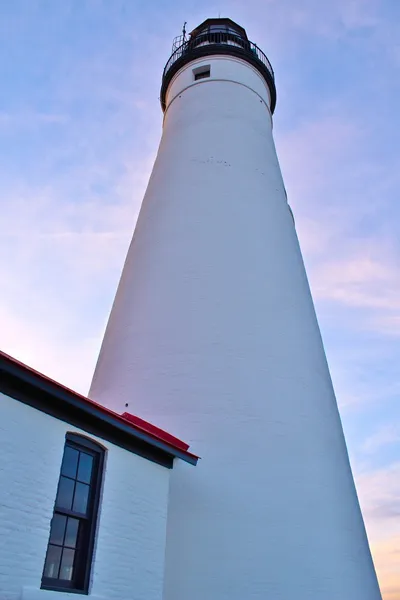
(217, 28)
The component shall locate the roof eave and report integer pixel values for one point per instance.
(73, 403)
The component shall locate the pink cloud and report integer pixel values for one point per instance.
(384, 436)
(379, 493)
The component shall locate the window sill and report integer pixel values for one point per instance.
(32, 593)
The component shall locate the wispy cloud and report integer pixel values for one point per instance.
(352, 257)
(362, 282)
(386, 435)
(380, 499)
(379, 493)
(387, 559)
(23, 120)
(310, 17)
(68, 257)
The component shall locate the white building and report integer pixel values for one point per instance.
(83, 494)
(212, 337)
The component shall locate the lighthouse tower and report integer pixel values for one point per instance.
(213, 336)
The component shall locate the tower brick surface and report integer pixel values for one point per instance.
(214, 337)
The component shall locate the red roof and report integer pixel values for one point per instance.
(136, 423)
(156, 431)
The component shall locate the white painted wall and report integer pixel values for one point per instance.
(221, 69)
(214, 337)
(130, 545)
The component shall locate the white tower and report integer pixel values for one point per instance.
(214, 337)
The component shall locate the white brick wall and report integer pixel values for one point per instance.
(130, 545)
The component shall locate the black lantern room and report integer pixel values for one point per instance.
(217, 36)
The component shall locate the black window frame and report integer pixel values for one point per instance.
(202, 72)
(83, 552)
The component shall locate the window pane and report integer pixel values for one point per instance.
(67, 564)
(52, 563)
(70, 462)
(57, 529)
(72, 532)
(85, 467)
(218, 28)
(65, 493)
(81, 498)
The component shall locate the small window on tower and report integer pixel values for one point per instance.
(202, 72)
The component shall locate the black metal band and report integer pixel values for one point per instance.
(194, 51)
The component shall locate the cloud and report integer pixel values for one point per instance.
(52, 350)
(308, 18)
(361, 281)
(386, 435)
(24, 120)
(359, 13)
(78, 153)
(341, 196)
(379, 493)
(387, 559)
(61, 264)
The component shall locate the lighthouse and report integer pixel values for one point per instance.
(214, 337)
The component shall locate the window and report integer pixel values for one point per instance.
(222, 29)
(202, 72)
(70, 548)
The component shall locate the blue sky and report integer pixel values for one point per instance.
(79, 126)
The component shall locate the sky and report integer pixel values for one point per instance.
(80, 122)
